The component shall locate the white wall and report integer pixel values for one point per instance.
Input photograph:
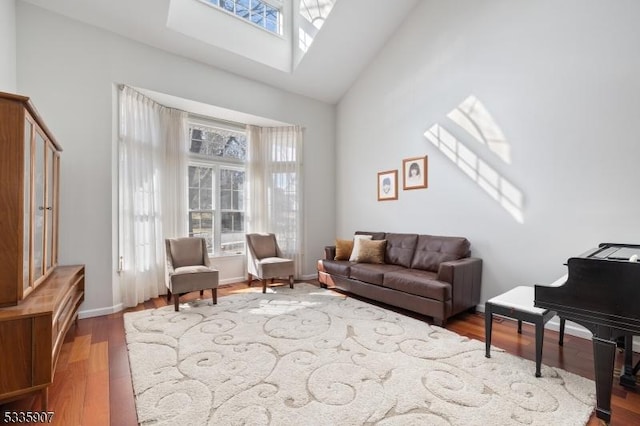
(69, 69)
(561, 81)
(8, 46)
(200, 21)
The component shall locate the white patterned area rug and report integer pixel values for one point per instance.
(308, 356)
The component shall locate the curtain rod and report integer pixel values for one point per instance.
(220, 120)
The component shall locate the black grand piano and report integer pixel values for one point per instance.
(602, 293)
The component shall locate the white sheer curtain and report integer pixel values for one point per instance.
(152, 191)
(275, 187)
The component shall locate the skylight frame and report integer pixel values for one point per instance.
(250, 5)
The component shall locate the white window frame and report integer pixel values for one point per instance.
(274, 4)
(199, 160)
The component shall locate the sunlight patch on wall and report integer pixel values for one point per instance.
(472, 116)
(487, 178)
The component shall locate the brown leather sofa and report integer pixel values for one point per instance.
(427, 274)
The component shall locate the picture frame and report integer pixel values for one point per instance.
(388, 185)
(414, 173)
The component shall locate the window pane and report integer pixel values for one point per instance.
(214, 142)
(236, 199)
(233, 243)
(206, 177)
(226, 179)
(194, 199)
(200, 188)
(272, 19)
(206, 202)
(225, 200)
(257, 13)
(238, 182)
(232, 222)
(201, 225)
(227, 5)
(193, 172)
(226, 222)
(242, 8)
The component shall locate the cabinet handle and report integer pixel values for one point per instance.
(45, 208)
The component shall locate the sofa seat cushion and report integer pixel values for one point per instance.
(418, 282)
(371, 273)
(335, 267)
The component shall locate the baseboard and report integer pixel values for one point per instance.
(232, 280)
(89, 313)
(572, 329)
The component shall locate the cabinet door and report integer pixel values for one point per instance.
(26, 237)
(39, 205)
(51, 207)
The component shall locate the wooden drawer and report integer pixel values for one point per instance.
(32, 333)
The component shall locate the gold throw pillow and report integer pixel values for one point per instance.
(343, 249)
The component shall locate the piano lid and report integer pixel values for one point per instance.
(618, 252)
(602, 287)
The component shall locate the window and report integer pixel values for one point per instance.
(217, 187)
(258, 12)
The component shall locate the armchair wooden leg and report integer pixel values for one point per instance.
(168, 295)
(264, 285)
(214, 295)
(249, 279)
(290, 281)
(201, 293)
(176, 302)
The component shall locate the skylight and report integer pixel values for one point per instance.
(313, 13)
(257, 12)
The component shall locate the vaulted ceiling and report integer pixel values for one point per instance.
(351, 36)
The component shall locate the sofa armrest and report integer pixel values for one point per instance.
(465, 277)
(330, 252)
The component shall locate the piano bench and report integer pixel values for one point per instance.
(517, 303)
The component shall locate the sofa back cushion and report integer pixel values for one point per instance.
(400, 248)
(374, 235)
(432, 250)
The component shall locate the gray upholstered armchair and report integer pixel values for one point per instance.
(189, 269)
(264, 260)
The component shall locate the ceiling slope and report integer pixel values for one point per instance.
(350, 38)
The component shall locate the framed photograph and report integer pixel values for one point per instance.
(388, 185)
(414, 172)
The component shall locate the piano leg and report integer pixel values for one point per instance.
(628, 378)
(539, 340)
(604, 352)
(488, 325)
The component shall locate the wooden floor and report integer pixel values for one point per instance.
(92, 383)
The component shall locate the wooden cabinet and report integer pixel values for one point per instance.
(38, 299)
(29, 175)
